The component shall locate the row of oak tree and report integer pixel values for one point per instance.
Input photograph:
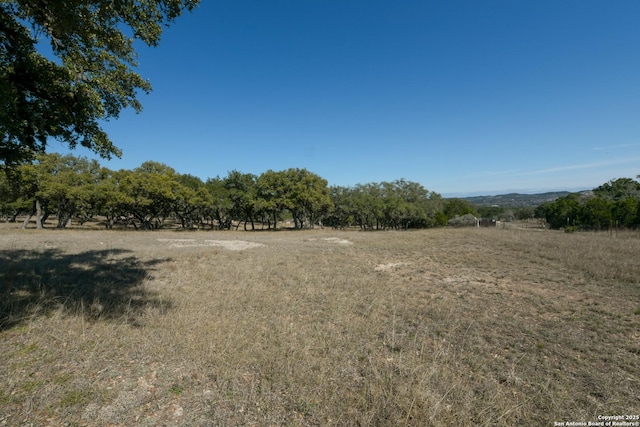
(69, 188)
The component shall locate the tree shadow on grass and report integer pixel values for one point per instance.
(97, 284)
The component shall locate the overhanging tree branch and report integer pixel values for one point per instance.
(91, 79)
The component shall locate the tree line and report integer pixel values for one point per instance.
(68, 188)
(613, 204)
(62, 189)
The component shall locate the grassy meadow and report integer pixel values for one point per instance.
(485, 327)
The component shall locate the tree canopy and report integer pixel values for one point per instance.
(66, 66)
(399, 204)
(150, 196)
(613, 204)
(72, 189)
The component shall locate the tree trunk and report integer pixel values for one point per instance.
(64, 220)
(44, 216)
(26, 221)
(37, 209)
(38, 215)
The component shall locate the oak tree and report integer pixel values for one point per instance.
(65, 66)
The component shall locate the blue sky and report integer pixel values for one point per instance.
(465, 97)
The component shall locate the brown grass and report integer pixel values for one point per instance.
(438, 327)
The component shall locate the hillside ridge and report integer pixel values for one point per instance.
(516, 199)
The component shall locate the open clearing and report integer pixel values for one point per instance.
(436, 327)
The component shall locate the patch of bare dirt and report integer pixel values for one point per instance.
(336, 240)
(232, 245)
(390, 266)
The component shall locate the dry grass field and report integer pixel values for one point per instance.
(328, 328)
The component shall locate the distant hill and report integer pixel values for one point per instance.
(516, 199)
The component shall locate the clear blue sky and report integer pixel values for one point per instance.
(464, 96)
